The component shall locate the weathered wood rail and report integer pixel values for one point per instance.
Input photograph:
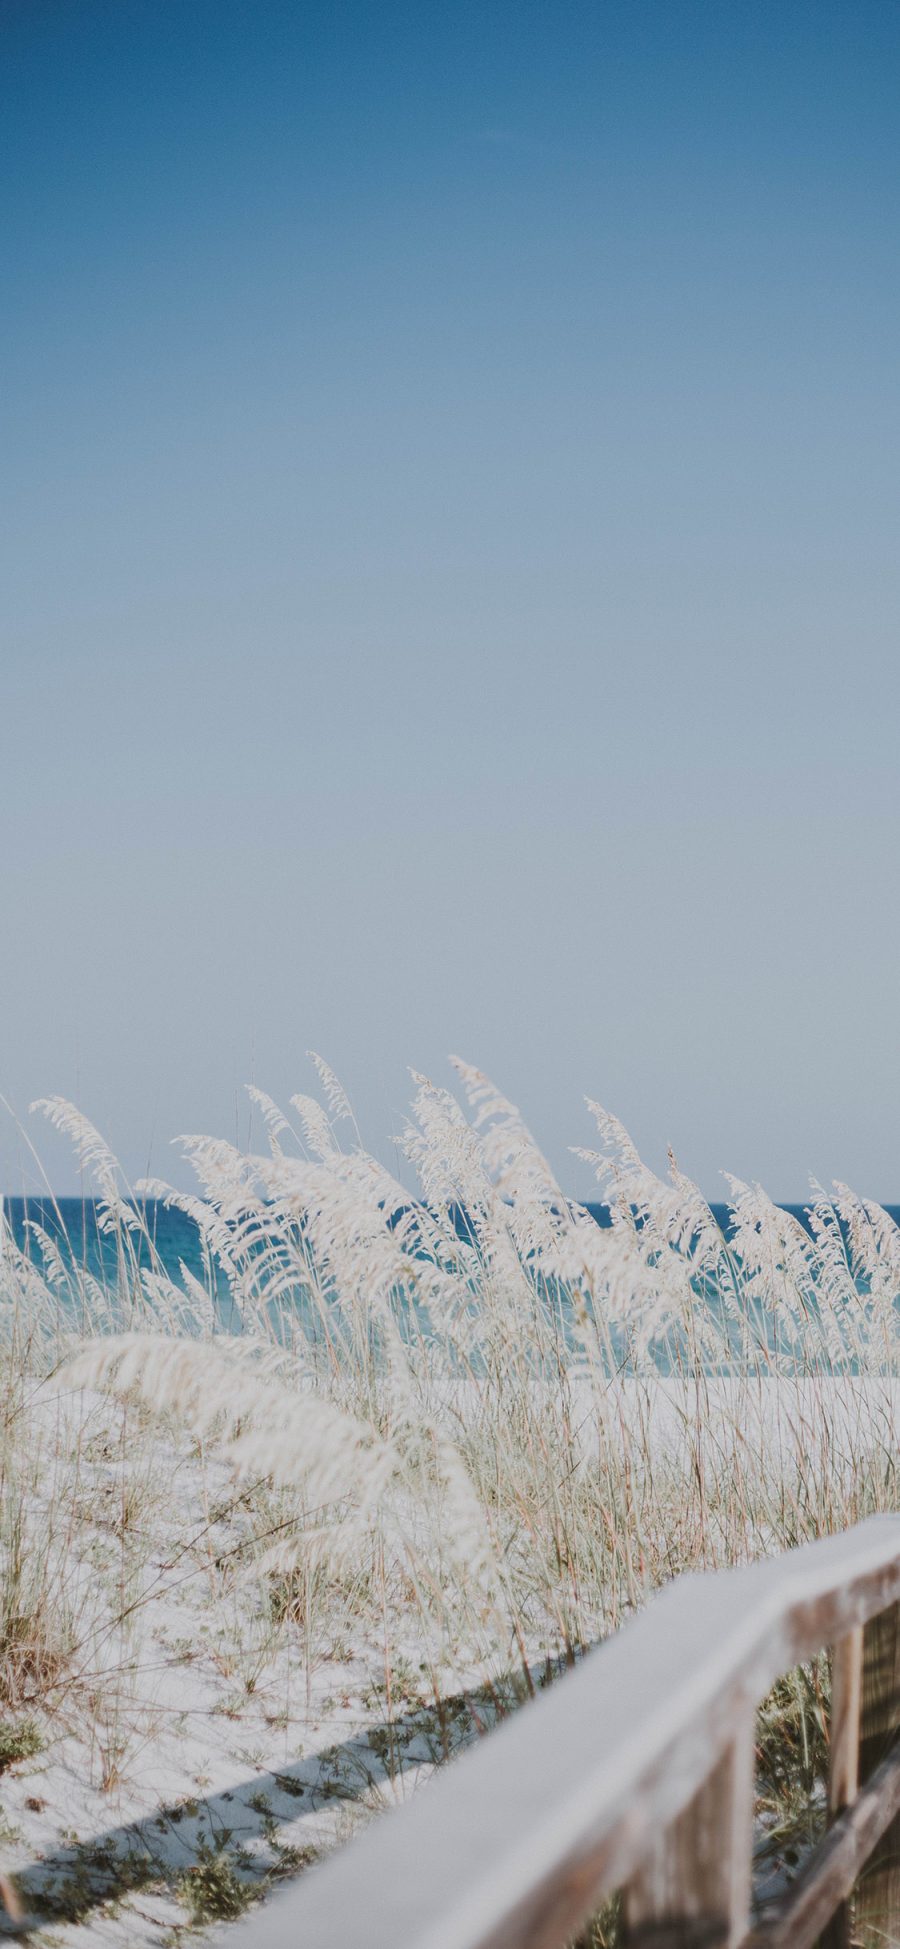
(635, 1772)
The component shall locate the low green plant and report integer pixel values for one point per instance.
(19, 1740)
(212, 1891)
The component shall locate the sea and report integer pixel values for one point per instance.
(73, 1225)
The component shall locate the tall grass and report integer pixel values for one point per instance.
(467, 1422)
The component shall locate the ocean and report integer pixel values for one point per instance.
(72, 1224)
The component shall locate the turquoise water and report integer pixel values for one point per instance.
(73, 1225)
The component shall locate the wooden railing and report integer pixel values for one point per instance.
(635, 1772)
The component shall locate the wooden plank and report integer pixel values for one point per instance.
(877, 1903)
(693, 1886)
(514, 1843)
(828, 1878)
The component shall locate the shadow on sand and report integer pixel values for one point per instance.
(213, 1856)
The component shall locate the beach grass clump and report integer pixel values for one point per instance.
(35, 1610)
(792, 1767)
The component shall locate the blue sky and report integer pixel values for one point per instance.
(450, 567)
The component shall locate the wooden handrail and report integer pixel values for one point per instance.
(635, 1771)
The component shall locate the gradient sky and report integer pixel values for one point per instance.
(450, 567)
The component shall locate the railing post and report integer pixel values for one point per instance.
(843, 1756)
(877, 1901)
(693, 1889)
(846, 1706)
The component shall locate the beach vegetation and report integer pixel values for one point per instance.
(19, 1740)
(400, 1448)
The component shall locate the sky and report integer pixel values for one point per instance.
(449, 570)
